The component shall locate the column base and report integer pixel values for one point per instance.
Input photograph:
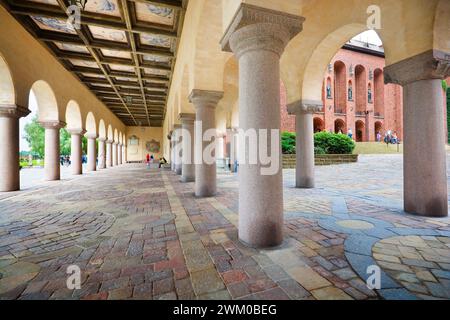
(270, 247)
(187, 179)
(178, 170)
(205, 194)
(435, 209)
(305, 184)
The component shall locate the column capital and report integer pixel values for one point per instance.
(257, 28)
(186, 117)
(108, 141)
(76, 132)
(432, 64)
(13, 111)
(91, 136)
(206, 98)
(102, 139)
(52, 124)
(304, 106)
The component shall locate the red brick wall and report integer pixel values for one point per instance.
(391, 117)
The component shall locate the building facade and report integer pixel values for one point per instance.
(354, 96)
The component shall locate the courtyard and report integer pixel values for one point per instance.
(138, 233)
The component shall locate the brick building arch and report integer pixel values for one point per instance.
(340, 87)
(361, 89)
(379, 128)
(360, 131)
(319, 124)
(378, 92)
(339, 125)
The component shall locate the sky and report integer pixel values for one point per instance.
(368, 36)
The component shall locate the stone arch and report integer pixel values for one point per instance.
(46, 101)
(339, 125)
(182, 99)
(110, 135)
(360, 89)
(102, 134)
(208, 56)
(7, 92)
(441, 27)
(340, 87)
(360, 131)
(116, 136)
(310, 81)
(319, 124)
(91, 124)
(73, 116)
(378, 92)
(224, 111)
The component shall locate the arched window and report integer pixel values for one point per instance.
(361, 89)
(350, 91)
(378, 94)
(340, 90)
(369, 93)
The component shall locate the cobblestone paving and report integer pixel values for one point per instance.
(138, 233)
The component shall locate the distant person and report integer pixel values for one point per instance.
(394, 139)
(162, 161)
(350, 133)
(148, 160)
(378, 136)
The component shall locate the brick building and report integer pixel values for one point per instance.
(354, 95)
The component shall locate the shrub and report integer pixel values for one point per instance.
(324, 143)
(319, 150)
(334, 143)
(288, 142)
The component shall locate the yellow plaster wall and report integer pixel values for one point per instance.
(144, 134)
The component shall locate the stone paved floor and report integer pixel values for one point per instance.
(139, 233)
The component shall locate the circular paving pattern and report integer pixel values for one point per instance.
(420, 263)
(355, 224)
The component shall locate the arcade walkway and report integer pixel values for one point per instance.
(139, 233)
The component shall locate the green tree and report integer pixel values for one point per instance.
(35, 136)
(65, 143)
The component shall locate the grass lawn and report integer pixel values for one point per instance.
(376, 148)
(24, 164)
(380, 148)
